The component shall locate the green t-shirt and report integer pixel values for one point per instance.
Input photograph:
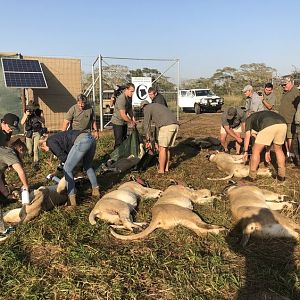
(8, 157)
(80, 119)
(122, 103)
(262, 119)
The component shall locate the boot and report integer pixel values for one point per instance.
(72, 200)
(96, 192)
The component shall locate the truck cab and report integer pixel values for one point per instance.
(199, 100)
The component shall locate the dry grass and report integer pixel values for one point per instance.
(60, 255)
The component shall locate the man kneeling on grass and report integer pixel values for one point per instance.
(168, 127)
(71, 147)
(270, 129)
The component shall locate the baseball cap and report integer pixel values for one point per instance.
(231, 113)
(143, 103)
(247, 88)
(285, 80)
(12, 120)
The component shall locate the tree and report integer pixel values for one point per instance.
(256, 74)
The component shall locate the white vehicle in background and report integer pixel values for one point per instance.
(199, 100)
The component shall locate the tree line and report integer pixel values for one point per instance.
(225, 81)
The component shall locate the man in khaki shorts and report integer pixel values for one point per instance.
(168, 127)
(270, 128)
(233, 123)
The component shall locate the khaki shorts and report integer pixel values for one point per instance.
(272, 134)
(236, 129)
(167, 135)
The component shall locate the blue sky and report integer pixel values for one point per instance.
(204, 35)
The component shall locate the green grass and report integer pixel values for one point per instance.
(59, 255)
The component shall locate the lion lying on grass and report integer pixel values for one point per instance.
(233, 166)
(116, 207)
(44, 198)
(174, 208)
(256, 212)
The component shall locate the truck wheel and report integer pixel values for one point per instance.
(197, 109)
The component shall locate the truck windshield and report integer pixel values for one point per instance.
(204, 93)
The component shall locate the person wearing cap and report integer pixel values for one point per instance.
(288, 105)
(156, 97)
(9, 122)
(12, 157)
(167, 125)
(270, 128)
(253, 101)
(268, 96)
(81, 116)
(71, 147)
(123, 114)
(233, 124)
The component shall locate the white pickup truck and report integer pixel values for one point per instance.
(199, 100)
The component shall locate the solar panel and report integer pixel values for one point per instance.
(22, 73)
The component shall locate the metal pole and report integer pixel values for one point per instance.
(100, 93)
(178, 86)
(93, 84)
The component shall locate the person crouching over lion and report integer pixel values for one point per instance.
(270, 128)
(71, 147)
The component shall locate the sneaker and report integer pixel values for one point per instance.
(250, 179)
(280, 178)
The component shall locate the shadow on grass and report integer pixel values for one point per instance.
(270, 268)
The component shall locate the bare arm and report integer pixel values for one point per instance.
(246, 144)
(65, 125)
(268, 105)
(24, 118)
(126, 118)
(232, 133)
(19, 169)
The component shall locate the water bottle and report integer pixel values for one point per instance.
(25, 196)
(53, 177)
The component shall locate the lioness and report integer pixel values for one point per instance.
(44, 198)
(255, 210)
(115, 207)
(233, 166)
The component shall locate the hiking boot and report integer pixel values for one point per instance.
(72, 200)
(96, 192)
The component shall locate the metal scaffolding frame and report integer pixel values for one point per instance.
(97, 79)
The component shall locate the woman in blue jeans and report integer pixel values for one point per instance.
(84, 149)
(71, 147)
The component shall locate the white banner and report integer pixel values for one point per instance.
(142, 85)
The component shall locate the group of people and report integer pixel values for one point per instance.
(264, 128)
(166, 126)
(76, 143)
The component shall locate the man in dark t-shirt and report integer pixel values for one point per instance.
(270, 129)
(156, 97)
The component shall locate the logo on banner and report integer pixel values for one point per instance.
(141, 92)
